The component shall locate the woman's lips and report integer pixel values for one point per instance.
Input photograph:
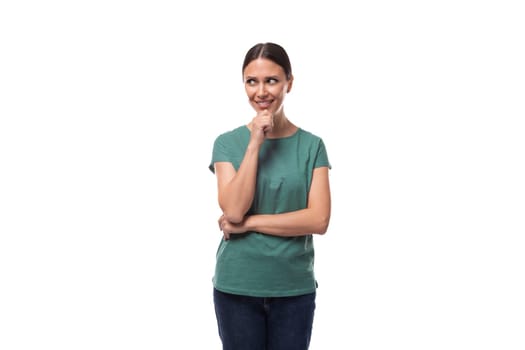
(264, 104)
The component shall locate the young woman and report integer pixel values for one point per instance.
(274, 193)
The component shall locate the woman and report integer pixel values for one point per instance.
(274, 193)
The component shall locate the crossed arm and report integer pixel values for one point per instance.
(236, 190)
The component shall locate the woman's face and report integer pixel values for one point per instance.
(266, 85)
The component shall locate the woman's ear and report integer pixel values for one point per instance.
(290, 83)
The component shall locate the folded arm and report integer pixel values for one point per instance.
(315, 218)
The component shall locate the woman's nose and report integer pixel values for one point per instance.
(261, 89)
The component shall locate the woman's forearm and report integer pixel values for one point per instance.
(295, 223)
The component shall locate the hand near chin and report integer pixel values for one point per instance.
(261, 124)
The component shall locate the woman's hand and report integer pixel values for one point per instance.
(229, 228)
(260, 125)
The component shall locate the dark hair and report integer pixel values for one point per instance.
(271, 51)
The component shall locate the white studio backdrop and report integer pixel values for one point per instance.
(108, 112)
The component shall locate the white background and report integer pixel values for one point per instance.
(108, 212)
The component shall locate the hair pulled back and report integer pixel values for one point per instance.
(271, 51)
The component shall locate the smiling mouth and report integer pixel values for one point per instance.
(264, 104)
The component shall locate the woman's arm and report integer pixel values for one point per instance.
(315, 218)
(237, 189)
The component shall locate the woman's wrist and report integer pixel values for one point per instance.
(249, 223)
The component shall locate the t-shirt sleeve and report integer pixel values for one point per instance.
(321, 159)
(220, 153)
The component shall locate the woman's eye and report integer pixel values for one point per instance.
(272, 81)
(250, 81)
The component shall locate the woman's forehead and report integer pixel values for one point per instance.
(263, 66)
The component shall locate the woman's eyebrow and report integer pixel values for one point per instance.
(267, 77)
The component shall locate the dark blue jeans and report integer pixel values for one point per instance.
(251, 323)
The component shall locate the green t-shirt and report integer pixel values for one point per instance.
(257, 264)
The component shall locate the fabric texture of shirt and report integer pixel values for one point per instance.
(254, 263)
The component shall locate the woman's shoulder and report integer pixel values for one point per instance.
(308, 134)
(238, 135)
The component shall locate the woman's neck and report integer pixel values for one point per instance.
(282, 127)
